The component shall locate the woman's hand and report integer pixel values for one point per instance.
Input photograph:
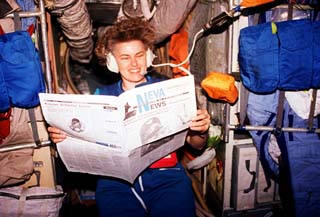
(201, 121)
(198, 133)
(56, 134)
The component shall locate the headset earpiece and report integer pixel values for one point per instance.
(112, 63)
(150, 57)
(113, 66)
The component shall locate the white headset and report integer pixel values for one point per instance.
(113, 66)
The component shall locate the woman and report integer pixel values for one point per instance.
(163, 189)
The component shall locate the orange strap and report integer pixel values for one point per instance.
(253, 3)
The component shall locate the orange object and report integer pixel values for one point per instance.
(220, 86)
(178, 51)
(253, 3)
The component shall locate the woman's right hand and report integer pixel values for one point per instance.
(56, 134)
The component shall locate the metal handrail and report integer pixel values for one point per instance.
(24, 145)
(274, 129)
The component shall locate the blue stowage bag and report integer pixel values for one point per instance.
(300, 161)
(258, 58)
(261, 111)
(285, 57)
(21, 75)
(316, 54)
(295, 54)
(300, 151)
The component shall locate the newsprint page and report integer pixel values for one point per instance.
(121, 136)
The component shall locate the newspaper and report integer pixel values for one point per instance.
(121, 136)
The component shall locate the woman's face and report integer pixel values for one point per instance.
(131, 59)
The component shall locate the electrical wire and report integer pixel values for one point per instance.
(187, 58)
(219, 21)
(67, 72)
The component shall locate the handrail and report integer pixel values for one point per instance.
(269, 128)
(24, 145)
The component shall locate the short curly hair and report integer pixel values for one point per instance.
(124, 30)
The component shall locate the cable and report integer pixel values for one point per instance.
(219, 21)
(187, 58)
(67, 71)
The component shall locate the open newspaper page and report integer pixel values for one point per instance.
(93, 118)
(158, 110)
(87, 157)
(140, 158)
(108, 137)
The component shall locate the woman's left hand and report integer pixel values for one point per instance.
(201, 122)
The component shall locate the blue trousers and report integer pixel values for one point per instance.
(155, 193)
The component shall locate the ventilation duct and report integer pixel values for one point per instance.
(76, 25)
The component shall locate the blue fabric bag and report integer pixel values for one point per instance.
(316, 54)
(21, 76)
(295, 57)
(261, 111)
(300, 151)
(258, 58)
(285, 59)
(4, 97)
(301, 162)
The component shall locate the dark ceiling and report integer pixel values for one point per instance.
(103, 13)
